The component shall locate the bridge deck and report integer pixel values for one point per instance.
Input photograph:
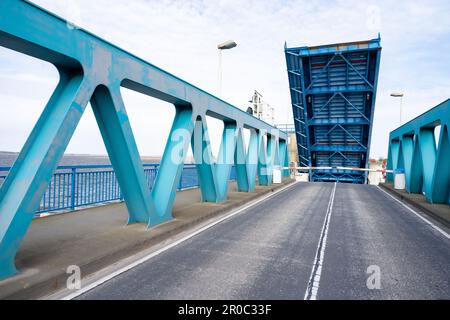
(97, 237)
(267, 252)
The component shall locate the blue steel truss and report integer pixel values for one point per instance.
(333, 89)
(413, 148)
(92, 69)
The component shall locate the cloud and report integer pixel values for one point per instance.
(181, 37)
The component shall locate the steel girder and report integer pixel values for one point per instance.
(413, 148)
(92, 69)
(333, 89)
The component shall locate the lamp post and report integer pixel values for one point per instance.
(399, 95)
(230, 44)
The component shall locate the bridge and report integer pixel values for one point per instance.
(237, 227)
(333, 89)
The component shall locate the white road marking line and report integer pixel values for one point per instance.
(173, 244)
(316, 272)
(445, 234)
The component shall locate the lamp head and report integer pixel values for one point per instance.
(230, 44)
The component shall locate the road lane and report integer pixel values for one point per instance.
(264, 253)
(368, 228)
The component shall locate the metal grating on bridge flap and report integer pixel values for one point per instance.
(333, 90)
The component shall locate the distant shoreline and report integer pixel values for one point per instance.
(7, 159)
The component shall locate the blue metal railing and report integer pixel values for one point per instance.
(72, 187)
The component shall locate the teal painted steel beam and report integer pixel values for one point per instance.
(412, 147)
(225, 160)
(240, 162)
(440, 192)
(390, 163)
(428, 152)
(27, 180)
(203, 160)
(407, 154)
(109, 111)
(263, 161)
(171, 167)
(252, 159)
(416, 172)
(92, 69)
(284, 157)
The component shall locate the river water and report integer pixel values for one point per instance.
(7, 159)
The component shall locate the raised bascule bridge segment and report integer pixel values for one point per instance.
(333, 90)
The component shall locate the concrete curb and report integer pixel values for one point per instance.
(57, 280)
(416, 205)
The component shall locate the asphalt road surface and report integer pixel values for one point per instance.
(313, 240)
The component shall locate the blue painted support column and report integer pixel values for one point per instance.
(201, 150)
(276, 160)
(416, 179)
(408, 151)
(86, 62)
(225, 160)
(441, 178)
(271, 157)
(30, 175)
(252, 159)
(428, 151)
(284, 157)
(389, 164)
(172, 162)
(395, 149)
(262, 160)
(400, 158)
(240, 163)
(117, 135)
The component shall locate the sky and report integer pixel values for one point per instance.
(182, 36)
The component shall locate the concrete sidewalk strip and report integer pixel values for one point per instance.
(440, 212)
(95, 238)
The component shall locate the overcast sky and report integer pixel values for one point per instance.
(181, 37)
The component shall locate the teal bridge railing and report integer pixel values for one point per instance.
(93, 70)
(73, 187)
(414, 151)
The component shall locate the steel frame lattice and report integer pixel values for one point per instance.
(333, 90)
(94, 70)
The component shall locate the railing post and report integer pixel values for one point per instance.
(72, 202)
(180, 184)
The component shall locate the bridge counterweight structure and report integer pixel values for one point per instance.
(333, 90)
(92, 69)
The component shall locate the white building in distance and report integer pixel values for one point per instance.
(261, 109)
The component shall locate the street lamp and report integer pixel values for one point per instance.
(399, 95)
(230, 44)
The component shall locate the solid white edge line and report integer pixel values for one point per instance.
(445, 234)
(173, 244)
(314, 280)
